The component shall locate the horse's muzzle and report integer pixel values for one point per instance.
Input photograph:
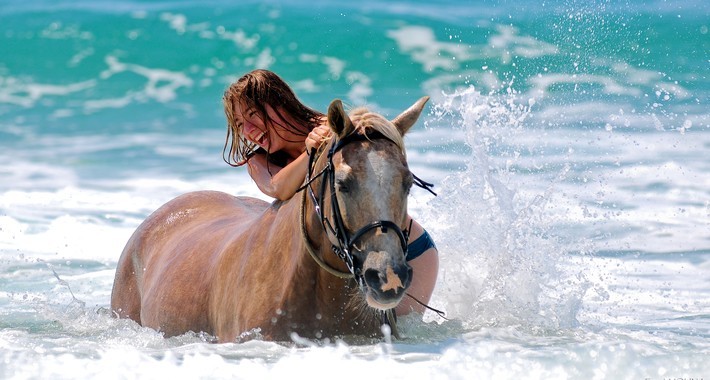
(386, 286)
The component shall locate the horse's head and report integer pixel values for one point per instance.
(364, 196)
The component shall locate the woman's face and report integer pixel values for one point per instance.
(259, 131)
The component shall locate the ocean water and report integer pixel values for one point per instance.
(568, 142)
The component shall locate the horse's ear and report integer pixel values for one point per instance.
(338, 119)
(406, 119)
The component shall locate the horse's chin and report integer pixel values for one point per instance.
(379, 305)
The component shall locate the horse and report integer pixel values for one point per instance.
(326, 264)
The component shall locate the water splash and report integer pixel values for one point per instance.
(500, 259)
(76, 304)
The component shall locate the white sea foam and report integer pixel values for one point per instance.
(66, 236)
(360, 87)
(624, 290)
(637, 76)
(27, 93)
(614, 185)
(58, 30)
(542, 83)
(176, 21)
(421, 43)
(239, 37)
(31, 175)
(263, 60)
(179, 23)
(162, 85)
(334, 65)
(508, 43)
(423, 46)
(499, 353)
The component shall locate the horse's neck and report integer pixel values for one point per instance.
(293, 216)
(270, 265)
(306, 232)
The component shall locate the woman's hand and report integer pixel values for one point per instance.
(316, 137)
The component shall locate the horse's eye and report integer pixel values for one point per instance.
(342, 186)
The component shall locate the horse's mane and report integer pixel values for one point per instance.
(365, 121)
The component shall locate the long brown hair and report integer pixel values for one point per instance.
(256, 90)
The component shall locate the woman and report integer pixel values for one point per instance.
(270, 131)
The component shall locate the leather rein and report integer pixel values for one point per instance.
(344, 241)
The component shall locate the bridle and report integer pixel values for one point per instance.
(344, 241)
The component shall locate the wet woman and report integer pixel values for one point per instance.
(270, 131)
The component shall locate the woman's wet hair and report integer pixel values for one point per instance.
(254, 91)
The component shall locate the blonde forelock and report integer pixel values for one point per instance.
(365, 121)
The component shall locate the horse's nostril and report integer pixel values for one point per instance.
(372, 278)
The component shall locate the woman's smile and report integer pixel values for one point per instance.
(260, 139)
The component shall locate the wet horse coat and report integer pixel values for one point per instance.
(211, 262)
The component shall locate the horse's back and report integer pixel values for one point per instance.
(176, 247)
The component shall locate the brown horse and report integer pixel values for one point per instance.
(211, 262)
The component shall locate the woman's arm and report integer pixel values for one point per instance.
(284, 182)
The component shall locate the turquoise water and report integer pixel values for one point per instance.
(567, 140)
